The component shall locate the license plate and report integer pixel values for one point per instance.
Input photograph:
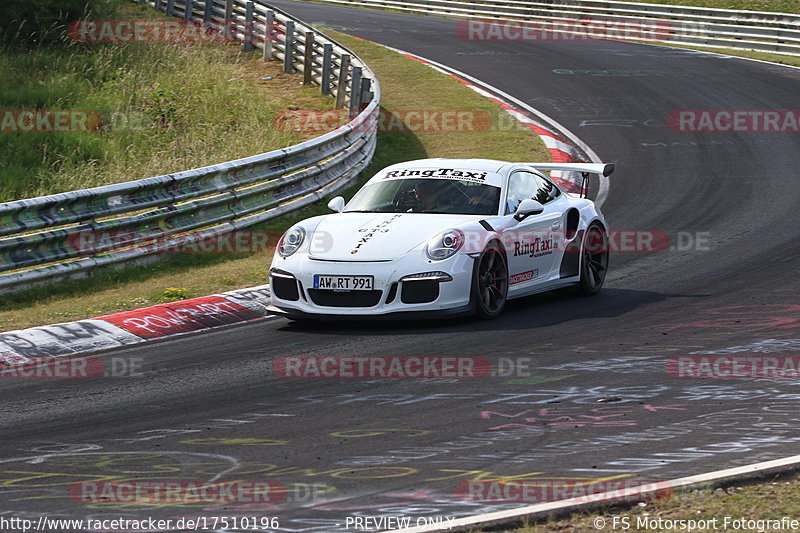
(343, 283)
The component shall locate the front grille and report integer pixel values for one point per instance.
(326, 298)
(285, 288)
(419, 292)
(392, 293)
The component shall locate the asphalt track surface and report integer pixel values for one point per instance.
(596, 401)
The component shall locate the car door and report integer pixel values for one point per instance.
(534, 245)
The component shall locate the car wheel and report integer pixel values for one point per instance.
(594, 260)
(490, 282)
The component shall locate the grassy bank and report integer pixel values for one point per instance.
(406, 85)
(160, 108)
(781, 6)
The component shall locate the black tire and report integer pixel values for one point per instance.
(490, 282)
(594, 261)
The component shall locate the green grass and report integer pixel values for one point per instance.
(407, 85)
(781, 6)
(165, 108)
(772, 500)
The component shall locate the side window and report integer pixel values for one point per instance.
(522, 185)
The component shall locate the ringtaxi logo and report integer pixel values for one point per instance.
(381, 367)
(148, 492)
(735, 120)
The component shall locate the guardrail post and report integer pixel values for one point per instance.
(288, 50)
(308, 59)
(188, 8)
(327, 56)
(228, 11)
(170, 7)
(208, 11)
(341, 87)
(249, 27)
(269, 35)
(355, 91)
(365, 95)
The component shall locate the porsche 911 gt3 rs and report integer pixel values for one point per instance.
(443, 236)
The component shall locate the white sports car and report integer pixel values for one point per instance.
(443, 236)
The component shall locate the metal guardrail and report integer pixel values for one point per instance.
(41, 238)
(750, 30)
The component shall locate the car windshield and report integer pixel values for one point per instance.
(426, 195)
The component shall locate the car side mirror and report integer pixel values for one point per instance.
(527, 208)
(337, 204)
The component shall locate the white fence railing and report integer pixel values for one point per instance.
(42, 238)
(750, 30)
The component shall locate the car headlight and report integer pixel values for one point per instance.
(291, 241)
(445, 244)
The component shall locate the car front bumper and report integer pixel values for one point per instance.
(392, 296)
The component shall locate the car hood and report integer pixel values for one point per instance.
(376, 236)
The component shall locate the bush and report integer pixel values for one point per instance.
(30, 21)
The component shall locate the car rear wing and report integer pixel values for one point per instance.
(604, 169)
